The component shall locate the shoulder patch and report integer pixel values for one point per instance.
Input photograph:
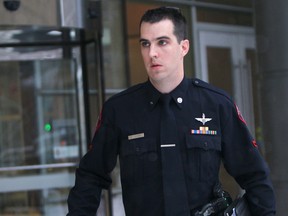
(240, 115)
(99, 121)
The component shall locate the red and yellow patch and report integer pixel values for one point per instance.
(99, 122)
(254, 143)
(240, 115)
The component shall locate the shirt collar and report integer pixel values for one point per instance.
(178, 94)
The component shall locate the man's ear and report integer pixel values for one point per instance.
(185, 44)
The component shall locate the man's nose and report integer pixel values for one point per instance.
(153, 53)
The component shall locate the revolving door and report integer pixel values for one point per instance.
(48, 109)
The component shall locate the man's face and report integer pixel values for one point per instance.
(162, 53)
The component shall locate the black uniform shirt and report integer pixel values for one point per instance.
(211, 129)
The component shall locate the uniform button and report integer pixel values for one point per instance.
(179, 100)
(196, 82)
(151, 102)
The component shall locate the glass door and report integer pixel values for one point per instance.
(43, 120)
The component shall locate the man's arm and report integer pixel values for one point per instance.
(243, 160)
(94, 170)
(84, 197)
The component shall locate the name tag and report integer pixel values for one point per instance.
(135, 136)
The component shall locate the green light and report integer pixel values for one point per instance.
(47, 127)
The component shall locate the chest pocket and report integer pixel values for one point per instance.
(138, 160)
(204, 156)
(137, 146)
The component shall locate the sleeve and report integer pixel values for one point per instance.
(93, 173)
(243, 160)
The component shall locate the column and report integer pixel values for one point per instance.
(271, 20)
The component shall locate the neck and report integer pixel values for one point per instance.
(166, 86)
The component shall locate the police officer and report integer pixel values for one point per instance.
(209, 126)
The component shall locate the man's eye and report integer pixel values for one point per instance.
(145, 44)
(162, 42)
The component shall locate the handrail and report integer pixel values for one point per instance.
(40, 166)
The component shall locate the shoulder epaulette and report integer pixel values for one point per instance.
(128, 90)
(210, 87)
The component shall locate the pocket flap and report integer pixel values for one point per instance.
(138, 146)
(205, 142)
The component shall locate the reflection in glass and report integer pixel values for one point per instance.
(39, 142)
(37, 116)
(26, 203)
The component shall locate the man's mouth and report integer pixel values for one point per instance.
(155, 65)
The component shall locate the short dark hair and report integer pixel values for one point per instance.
(171, 13)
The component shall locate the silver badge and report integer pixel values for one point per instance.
(203, 119)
